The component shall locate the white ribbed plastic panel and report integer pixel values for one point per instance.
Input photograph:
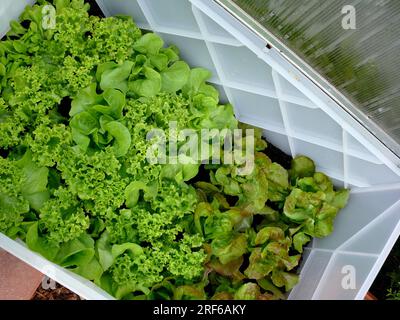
(268, 92)
(9, 10)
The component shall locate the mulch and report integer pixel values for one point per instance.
(59, 293)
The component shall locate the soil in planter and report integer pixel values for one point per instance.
(59, 293)
(389, 276)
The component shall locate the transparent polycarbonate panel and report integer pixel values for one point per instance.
(302, 121)
(215, 31)
(381, 229)
(240, 65)
(361, 211)
(253, 107)
(345, 277)
(360, 59)
(370, 173)
(326, 160)
(278, 139)
(311, 273)
(125, 7)
(173, 14)
(193, 51)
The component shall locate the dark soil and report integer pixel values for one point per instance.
(95, 9)
(278, 156)
(389, 276)
(59, 293)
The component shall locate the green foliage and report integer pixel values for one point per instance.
(236, 238)
(13, 205)
(393, 294)
(389, 277)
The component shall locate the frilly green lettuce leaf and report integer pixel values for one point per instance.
(187, 292)
(116, 102)
(248, 291)
(197, 77)
(259, 266)
(159, 61)
(132, 248)
(85, 98)
(228, 248)
(91, 270)
(180, 172)
(103, 249)
(284, 279)
(299, 240)
(133, 189)
(84, 123)
(269, 233)
(301, 167)
(278, 182)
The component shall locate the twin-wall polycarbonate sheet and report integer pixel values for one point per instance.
(354, 44)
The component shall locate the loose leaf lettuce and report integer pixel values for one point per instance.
(149, 43)
(175, 77)
(116, 76)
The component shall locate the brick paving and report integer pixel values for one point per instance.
(18, 281)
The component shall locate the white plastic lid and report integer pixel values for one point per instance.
(11, 10)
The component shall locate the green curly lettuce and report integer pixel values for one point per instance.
(13, 205)
(62, 217)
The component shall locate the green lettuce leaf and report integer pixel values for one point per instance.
(228, 248)
(122, 138)
(39, 244)
(175, 77)
(248, 291)
(149, 86)
(116, 76)
(77, 252)
(149, 43)
(34, 188)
